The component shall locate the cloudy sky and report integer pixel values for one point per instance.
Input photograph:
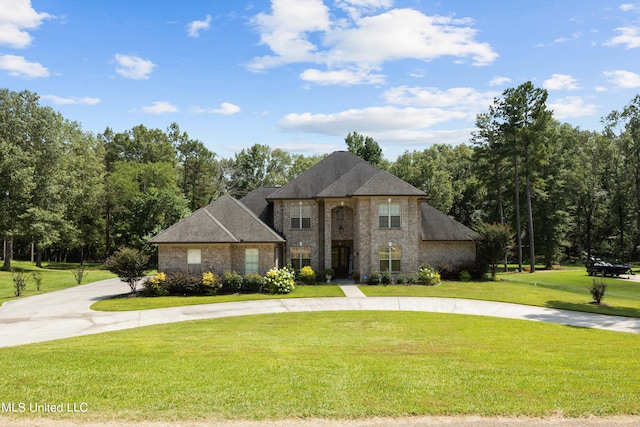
(301, 74)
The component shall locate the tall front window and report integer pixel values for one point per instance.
(389, 215)
(300, 216)
(390, 258)
(300, 256)
(251, 260)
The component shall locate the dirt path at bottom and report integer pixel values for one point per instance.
(468, 421)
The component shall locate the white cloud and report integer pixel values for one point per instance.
(356, 8)
(623, 79)
(73, 100)
(571, 106)
(160, 107)
(600, 88)
(628, 7)
(499, 81)
(17, 16)
(194, 28)
(560, 82)
(226, 109)
(303, 31)
(17, 66)
(133, 67)
(629, 37)
(341, 77)
(369, 120)
(459, 98)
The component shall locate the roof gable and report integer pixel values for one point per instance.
(386, 184)
(343, 174)
(226, 220)
(314, 180)
(436, 226)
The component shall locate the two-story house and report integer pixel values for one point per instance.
(343, 213)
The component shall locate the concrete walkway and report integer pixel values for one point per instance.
(66, 313)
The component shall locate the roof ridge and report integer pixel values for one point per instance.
(218, 222)
(255, 217)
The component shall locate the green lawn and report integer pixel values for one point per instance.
(331, 365)
(124, 303)
(55, 276)
(566, 289)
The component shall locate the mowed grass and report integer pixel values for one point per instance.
(565, 289)
(331, 365)
(124, 303)
(55, 276)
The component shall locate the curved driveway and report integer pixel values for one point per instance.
(66, 313)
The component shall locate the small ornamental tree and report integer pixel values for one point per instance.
(494, 244)
(130, 265)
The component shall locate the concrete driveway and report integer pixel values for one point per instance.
(66, 313)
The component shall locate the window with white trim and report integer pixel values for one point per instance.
(300, 256)
(390, 258)
(389, 214)
(300, 216)
(251, 260)
(194, 256)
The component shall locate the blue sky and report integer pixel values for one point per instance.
(301, 74)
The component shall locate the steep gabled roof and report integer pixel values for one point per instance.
(436, 226)
(257, 203)
(343, 174)
(226, 220)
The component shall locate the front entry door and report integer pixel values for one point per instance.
(340, 260)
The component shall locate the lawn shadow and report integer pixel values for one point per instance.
(595, 308)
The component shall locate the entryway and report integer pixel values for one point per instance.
(341, 259)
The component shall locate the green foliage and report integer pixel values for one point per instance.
(401, 279)
(155, 286)
(496, 239)
(129, 264)
(211, 283)
(598, 289)
(427, 276)
(37, 279)
(465, 276)
(386, 278)
(231, 282)
(365, 148)
(79, 274)
(279, 281)
(374, 279)
(19, 283)
(252, 283)
(307, 275)
(183, 283)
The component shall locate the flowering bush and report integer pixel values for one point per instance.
(278, 281)
(307, 275)
(428, 276)
(211, 283)
(154, 286)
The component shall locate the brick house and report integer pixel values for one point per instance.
(343, 213)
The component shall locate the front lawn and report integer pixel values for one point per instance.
(330, 365)
(124, 303)
(55, 276)
(565, 289)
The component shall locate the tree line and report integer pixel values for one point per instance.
(70, 195)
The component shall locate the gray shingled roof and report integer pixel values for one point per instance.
(226, 220)
(257, 203)
(343, 174)
(436, 226)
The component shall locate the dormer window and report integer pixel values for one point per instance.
(389, 214)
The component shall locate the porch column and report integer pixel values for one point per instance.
(327, 234)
